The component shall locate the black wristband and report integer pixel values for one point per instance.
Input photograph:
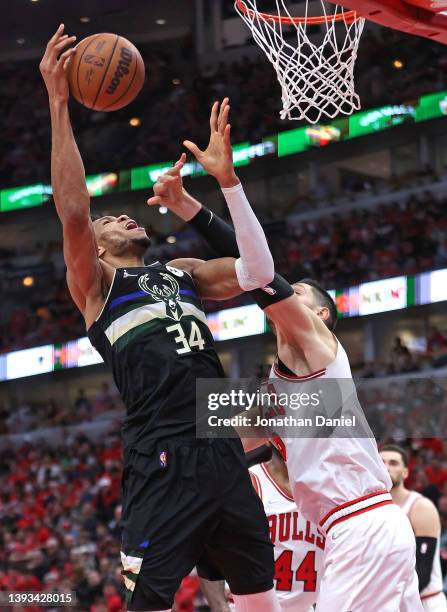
(425, 555)
(221, 237)
(218, 234)
(276, 291)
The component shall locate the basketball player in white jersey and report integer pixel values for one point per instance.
(298, 544)
(338, 483)
(424, 519)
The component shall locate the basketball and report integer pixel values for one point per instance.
(106, 72)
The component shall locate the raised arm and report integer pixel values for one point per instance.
(71, 197)
(254, 264)
(294, 322)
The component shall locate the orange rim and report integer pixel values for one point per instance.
(346, 16)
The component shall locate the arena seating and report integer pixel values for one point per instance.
(59, 505)
(177, 89)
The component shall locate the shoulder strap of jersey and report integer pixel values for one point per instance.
(410, 501)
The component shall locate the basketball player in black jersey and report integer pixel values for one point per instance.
(183, 498)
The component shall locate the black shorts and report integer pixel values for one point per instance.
(187, 500)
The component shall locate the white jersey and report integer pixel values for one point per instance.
(331, 477)
(435, 585)
(298, 545)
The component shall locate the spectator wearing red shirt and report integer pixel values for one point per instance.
(436, 473)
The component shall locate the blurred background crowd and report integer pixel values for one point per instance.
(177, 97)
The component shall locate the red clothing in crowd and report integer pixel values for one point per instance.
(436, 477)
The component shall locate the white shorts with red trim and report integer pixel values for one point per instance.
(345, 511)
(369, 564)
(434, 603)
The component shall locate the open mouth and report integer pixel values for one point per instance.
(132, 225)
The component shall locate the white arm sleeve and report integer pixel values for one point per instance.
(255, 267)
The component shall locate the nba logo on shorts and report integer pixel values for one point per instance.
(163, 459)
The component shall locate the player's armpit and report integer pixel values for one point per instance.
(215, 279)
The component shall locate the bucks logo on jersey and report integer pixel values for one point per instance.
(167, 293)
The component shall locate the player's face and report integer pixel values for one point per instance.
(305, 295)
(395, 466)
(119, 234)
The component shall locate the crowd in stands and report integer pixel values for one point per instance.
(338, 250)
(175, 101)
(431, 354)
(59, 524)
(60, 504)
(51, 412)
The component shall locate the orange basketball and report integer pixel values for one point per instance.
(106, 72)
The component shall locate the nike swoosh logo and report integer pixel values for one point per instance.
(126, 274)
(337, 534)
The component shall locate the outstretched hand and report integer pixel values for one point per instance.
(217, 159)
(169, 192)
(55, 62)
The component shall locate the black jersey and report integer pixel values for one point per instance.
(153, 335)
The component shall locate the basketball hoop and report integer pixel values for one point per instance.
(316, 78)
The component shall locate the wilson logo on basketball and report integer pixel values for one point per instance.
(95, 60)
(121, 69)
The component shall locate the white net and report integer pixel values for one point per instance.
(315, 69)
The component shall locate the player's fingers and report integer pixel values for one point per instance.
(161, 184)
(64, 42)
(167, 177)
(175, 170)
(191, 146)
(224, 119)
(51, 51)
(155, 200)
(65, 64)
(66, 55)
(220, 119)
(56, 36)
(227, 138)
(213, 117)
(181, 159)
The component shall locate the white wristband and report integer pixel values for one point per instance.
(255, 267)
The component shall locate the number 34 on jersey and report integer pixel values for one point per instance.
(187, 339)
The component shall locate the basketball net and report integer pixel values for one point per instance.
(316, 78)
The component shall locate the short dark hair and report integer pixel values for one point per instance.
(95, 217)
(324, 299)
(396, 449)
